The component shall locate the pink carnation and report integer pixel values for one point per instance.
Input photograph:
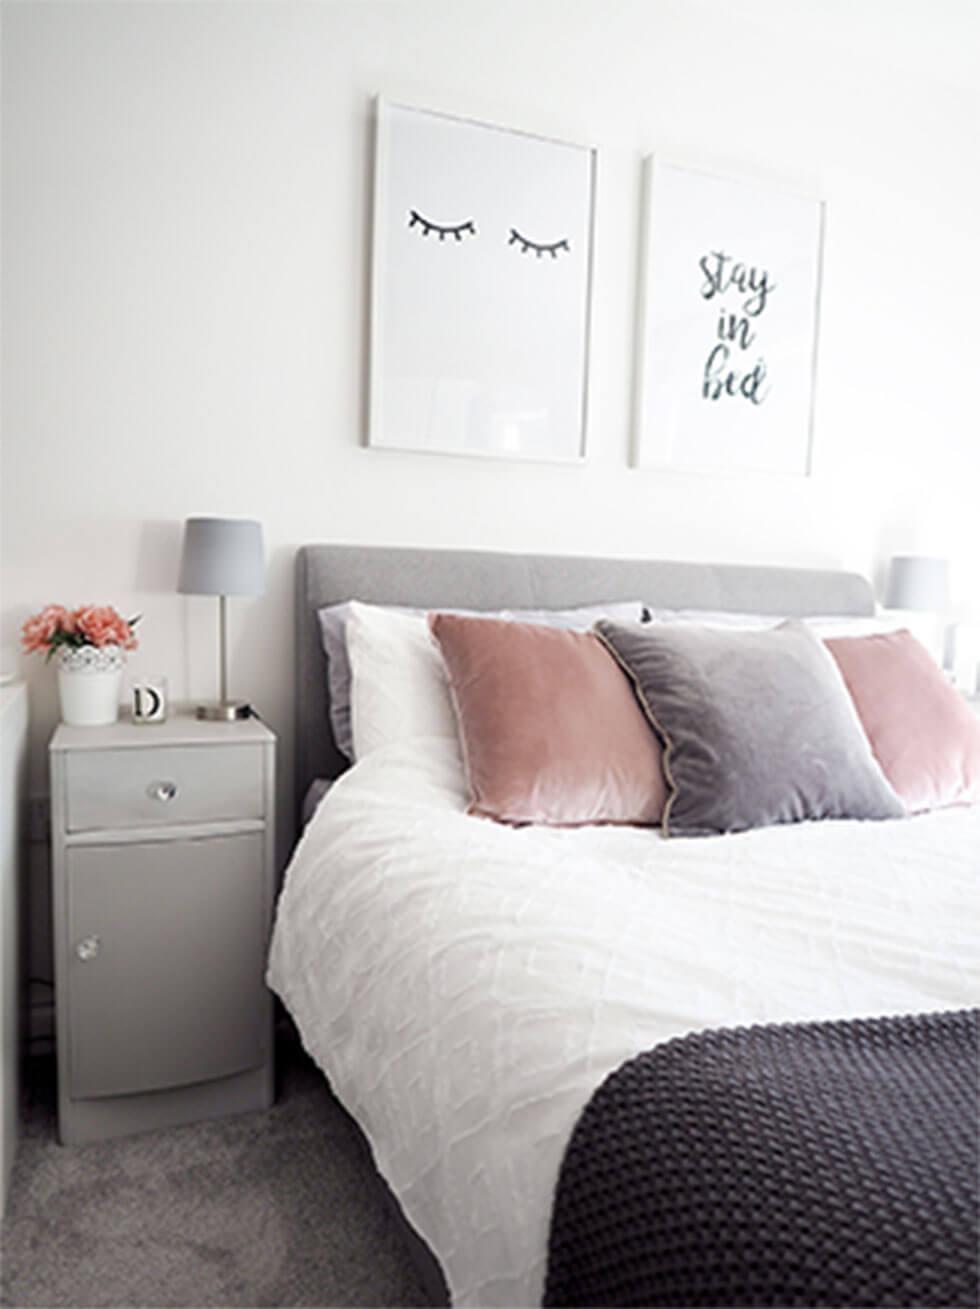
(102, 625)
(37, 632)
(55, 628)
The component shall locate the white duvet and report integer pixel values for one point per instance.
(466, 986)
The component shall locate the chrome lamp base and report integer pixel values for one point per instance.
(227, 711)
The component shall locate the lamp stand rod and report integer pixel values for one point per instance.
(223, 649)
(225, 710)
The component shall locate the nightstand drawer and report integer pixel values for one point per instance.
(107, 789)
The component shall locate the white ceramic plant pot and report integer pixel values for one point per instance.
(89, 679)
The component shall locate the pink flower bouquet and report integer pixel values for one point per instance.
(56, 627)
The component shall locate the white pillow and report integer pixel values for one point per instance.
(922, 626)
(712, 618)
(869, 625)
(333, 631)
(822, 624)
(398, 683)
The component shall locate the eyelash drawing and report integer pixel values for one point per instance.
(415, 219)
(525, 245)
(459, 230)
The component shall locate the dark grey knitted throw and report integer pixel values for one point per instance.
(799, 1164)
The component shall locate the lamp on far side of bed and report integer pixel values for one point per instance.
(222, 557)
(920, 584)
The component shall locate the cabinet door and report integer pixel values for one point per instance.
(166, 958)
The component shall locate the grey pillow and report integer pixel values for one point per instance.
(333, 637)
(758, 727)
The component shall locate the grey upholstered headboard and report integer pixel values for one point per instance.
(329, 574)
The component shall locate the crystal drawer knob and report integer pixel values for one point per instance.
(88, 948)
(162, 791)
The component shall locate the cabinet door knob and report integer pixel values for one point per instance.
(88, 948)
(162, 791)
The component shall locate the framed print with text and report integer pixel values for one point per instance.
(726, 355)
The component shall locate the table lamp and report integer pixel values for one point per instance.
(222, 557)
(920, 584)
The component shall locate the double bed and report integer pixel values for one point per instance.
(466, 986)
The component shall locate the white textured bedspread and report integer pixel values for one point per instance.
(466, 986)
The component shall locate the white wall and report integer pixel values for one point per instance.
(185, 213)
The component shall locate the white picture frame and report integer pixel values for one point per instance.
(727, 324)
(481, 288)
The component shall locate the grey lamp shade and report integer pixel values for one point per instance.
(918, 582)
(222, 556)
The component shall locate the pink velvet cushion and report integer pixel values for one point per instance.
(550, 727)
(922, 732)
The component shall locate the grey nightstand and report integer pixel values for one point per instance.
(163, 884)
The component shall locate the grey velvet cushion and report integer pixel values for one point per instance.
(333, 636)
(758, 727)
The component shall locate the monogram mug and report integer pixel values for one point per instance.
(150, 700)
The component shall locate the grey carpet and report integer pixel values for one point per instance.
(275, 1208)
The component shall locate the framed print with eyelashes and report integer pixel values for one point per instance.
(726, 352)
(481, 288)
